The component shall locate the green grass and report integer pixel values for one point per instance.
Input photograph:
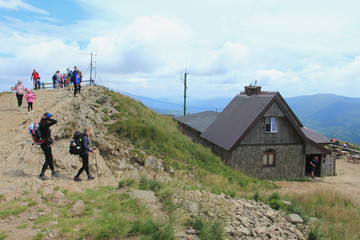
(15, 207)
(338, 219)
(208, 230)
(159, 136)
(3, 235)
(108, 214)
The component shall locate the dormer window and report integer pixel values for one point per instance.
(271, 124)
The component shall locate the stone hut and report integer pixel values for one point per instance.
(258, 134)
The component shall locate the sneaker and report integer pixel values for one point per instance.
(90, 177)
(77, 179)
(32, 111)
(28, 112)
(55, 174)
(42, 177)
(20, 109)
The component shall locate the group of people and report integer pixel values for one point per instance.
(46, 122)
(71, 81)
(20, 90)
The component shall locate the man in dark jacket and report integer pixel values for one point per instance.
(45, 123)
(85, 156)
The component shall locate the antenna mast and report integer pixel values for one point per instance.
(92, 66)
(185, 88)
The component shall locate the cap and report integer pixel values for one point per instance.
(48, 115)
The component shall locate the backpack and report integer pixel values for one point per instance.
(76, 144)
(35, 132)
(54, 77)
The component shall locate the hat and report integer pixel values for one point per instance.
(19, 81)
(48, 115)
(29, 89)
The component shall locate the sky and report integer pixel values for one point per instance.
(144, 47)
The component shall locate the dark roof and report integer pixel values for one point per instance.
(198, 121)
(314, 136)
(238, 117)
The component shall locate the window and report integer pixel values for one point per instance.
(269, 158)
(271, 124)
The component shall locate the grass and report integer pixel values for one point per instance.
(208, 230)
(338, 219)
(108, 214)
(15, 207)
(3, 235)
(159, 136)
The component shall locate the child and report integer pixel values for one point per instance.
(30, 96)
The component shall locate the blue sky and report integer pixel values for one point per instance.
(143, 47)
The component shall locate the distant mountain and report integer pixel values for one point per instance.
(331, 115)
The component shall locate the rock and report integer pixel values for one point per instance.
(294, 218)
(287, 203)
(192, 231)
(59, 195)
(78, 208)
(171, 170)
(35, 232)
(144, 196)
(32, 218)
(191, 206)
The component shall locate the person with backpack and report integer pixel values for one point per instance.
(30, 96)
(69, 76)
(45, 123)
(19, 89)
(85, 155)
(76, 81)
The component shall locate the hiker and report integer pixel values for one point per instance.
(34, 77)
(69, 76)
(30, 96)
(19, 89)
(76, 80)
(80, 81)
(85, 156)
(45, 123)
(65, 80)
(313, 164)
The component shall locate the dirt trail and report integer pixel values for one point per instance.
(346, 182)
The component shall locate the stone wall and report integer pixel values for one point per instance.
(289, 161)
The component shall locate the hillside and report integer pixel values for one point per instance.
(153, 182)
(333, 116)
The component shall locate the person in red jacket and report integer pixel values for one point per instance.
(34, 77)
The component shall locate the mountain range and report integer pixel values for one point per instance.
(331, 115)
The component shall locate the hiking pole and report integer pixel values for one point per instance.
(11, 98)
(97, 169)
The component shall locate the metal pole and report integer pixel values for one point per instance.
(91, 70)
(97, 169)
(185, 93)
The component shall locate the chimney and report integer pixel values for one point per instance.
(252, 90)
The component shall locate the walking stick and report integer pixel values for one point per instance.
(97, 169)
(11, 98)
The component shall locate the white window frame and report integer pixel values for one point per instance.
(273, 124)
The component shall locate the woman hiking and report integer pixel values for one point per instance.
(45, 123)
(85, 156)
(19, 89)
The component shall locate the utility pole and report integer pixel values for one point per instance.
(91, 66)
(185, 88)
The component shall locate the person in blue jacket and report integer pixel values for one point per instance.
(76, 81)
(85, 156)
